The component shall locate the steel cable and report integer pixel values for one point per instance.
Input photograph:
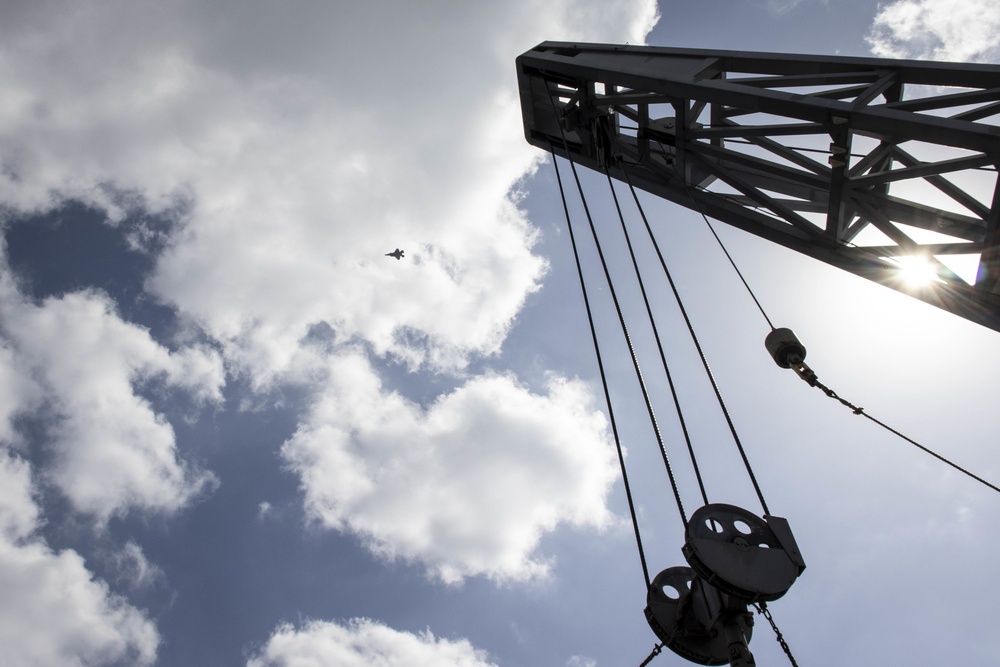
(604, 380)
(631, 348)
(811, 379)
(697, 343)
(659, 347)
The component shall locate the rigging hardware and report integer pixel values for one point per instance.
(652, 654)
(697, 621)
(709, 622)
(788, 352)
(723, 605)
(704, 124)
(778, 637)
(742, 554)
(736, 560)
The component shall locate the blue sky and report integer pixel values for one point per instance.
(233, 432)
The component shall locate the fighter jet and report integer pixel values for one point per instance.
(397, 253)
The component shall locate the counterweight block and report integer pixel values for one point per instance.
(741, 554)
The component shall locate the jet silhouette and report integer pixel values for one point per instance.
(397, 253)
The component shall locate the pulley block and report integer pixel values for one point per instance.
(741, 554)
(695, 620)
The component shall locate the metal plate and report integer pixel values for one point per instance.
(738, 553)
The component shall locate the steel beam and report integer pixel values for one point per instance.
(848, 160)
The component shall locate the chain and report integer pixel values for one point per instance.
(656, 652)
(766, 613)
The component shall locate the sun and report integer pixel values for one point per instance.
(916, 271)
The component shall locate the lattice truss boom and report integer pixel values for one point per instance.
(863, 163)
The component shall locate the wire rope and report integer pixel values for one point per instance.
(630, 345)
(659, 346)
(722, 245)
(813, 381)
(732, 262)
(928, 451)
(810, 377)
(621, 316)
(604, 379)
(697, 343)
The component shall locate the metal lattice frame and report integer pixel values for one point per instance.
(858, 162)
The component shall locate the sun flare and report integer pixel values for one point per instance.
(917, 272)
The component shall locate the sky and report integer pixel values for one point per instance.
(233, 432)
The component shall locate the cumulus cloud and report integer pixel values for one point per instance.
(363, 643)
(19, 393)
(467, 486)
(18, 511)
(958, 30)
(52, 611)
(292, 186)
(290, 149)
(112, 451)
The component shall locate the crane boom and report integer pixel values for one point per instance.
(859, 162)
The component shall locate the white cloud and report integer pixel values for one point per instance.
(293, 145)
(467, 486)
(958, 30)
(295, 185)
(112, 452)
(134, 568)
(18, 511)
(19, 393)
(52, 612)
(363, 643)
